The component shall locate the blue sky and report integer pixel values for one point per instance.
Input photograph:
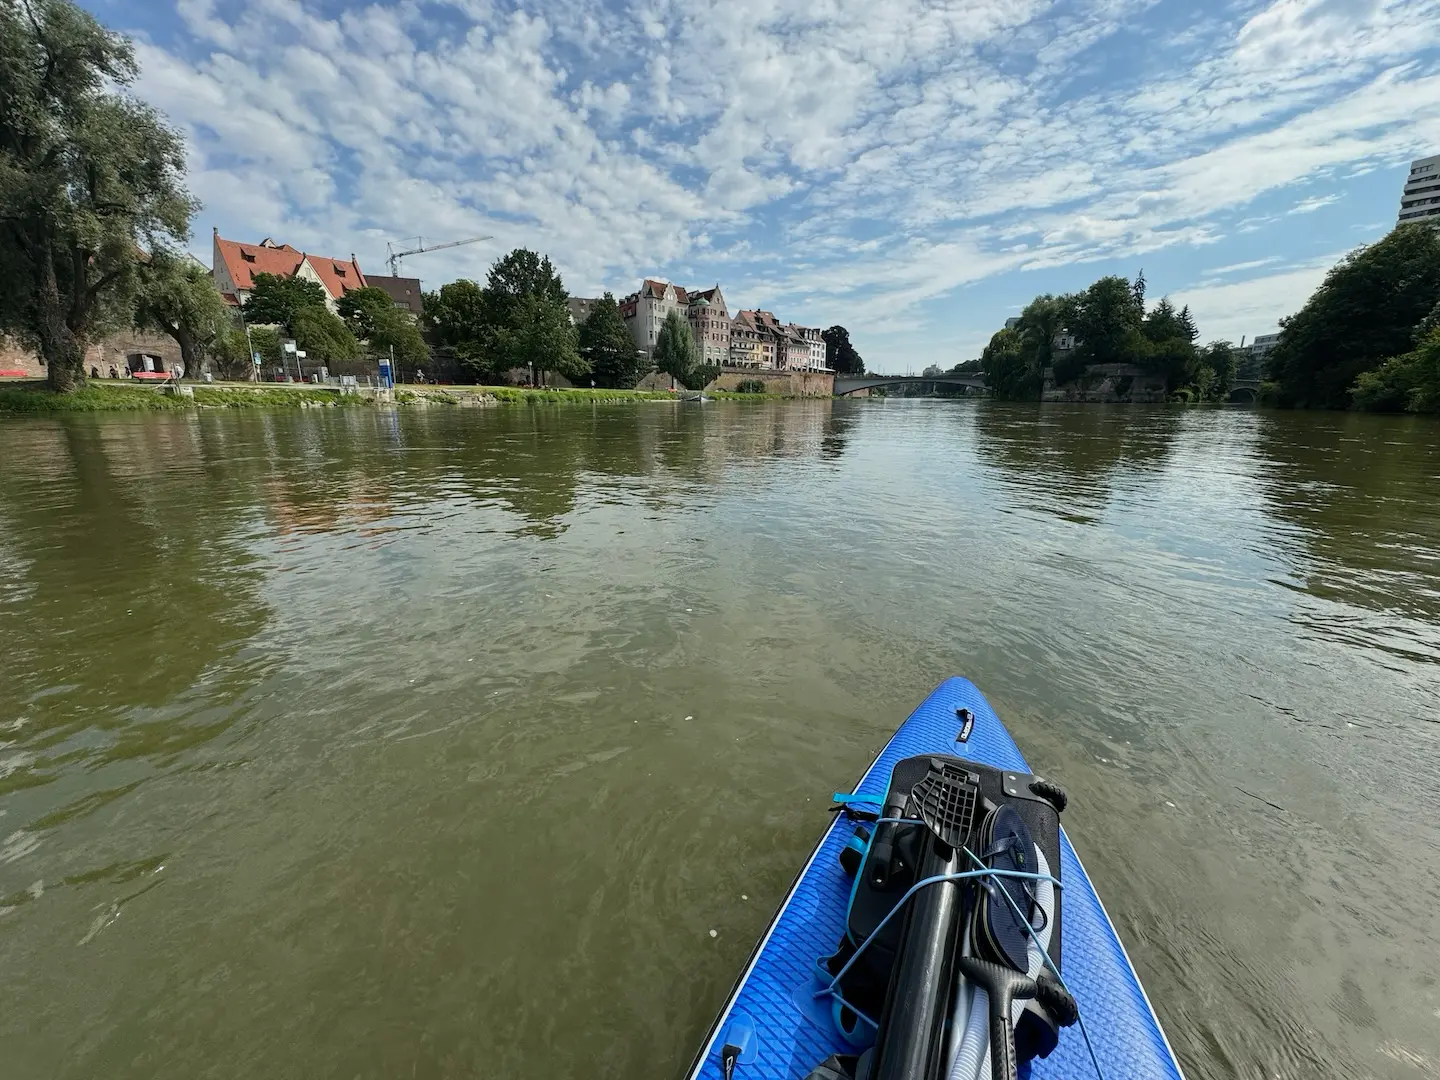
(914, 169)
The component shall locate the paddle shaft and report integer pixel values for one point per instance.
(911, 1039)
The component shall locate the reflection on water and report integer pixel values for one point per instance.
(437, 742)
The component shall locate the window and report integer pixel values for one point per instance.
(339, 270)
(247, 256)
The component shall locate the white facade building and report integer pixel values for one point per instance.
(645, 311)
(1420, 200)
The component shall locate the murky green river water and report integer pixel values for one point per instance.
(354, 744)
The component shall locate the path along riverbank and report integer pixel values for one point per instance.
(33, 397)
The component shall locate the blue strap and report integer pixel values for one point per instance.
(844, 797)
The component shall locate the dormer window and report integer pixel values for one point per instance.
(247, 256)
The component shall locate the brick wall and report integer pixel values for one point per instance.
(111, 350)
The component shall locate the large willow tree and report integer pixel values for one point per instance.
(89, 179)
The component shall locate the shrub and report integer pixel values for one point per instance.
(750, 386)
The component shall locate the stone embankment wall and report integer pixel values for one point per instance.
(792, 383)
(1107, 384)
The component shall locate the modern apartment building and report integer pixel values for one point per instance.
(1420, 201)
(710, 325)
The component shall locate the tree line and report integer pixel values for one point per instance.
(1109, 323)
(1369, 336)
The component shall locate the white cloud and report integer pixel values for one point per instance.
(1240, 267)
(1256, 305)
(836, 160)
(1315, 202)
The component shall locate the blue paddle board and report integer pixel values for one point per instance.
(771, 1015)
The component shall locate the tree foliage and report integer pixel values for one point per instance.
(608, 348)
(323, 336)
(840, 355)
(89, 178)
(373, 317)
(275, 300)
(1008, 375)
(1365, 312)
(230, 354)
(176, 296)
(519, 318)
(675, 351)
(365, 310)
(298, 307)
(453, 320)
(1409, 382)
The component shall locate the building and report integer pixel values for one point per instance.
(580, 308)
(815, 343)
(405, 291)
(1420, 201)
(1262, 344)
(752, 326)
(710, 325)
(776, 344)
(745, 345)
(235, 266)
(645, 311)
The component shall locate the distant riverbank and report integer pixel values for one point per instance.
(35, 398)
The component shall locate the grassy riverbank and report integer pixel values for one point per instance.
(35, 398)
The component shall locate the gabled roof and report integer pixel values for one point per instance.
(655, 290)
(339, 276)
(243, 261)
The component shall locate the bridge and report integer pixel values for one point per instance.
(1244, 390)
(1241, 390)
(848, 384)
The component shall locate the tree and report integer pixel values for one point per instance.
(540, 338)
(1364, 312)
(323, 336)
(230, 353)
(840, 355)
(89, 177)
(268, 343)
(365, 310)
(177, 297)
(1137, 291)
(372, 316)
(1219, 362)
(1009, 372)
(1043, 319)
(1410, 382)
(520, 312)
(397, 336)
(607, 346)
(675, 352)
(1107, 320)
(275, 300)
(453, 319)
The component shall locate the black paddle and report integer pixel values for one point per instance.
(1003, 985)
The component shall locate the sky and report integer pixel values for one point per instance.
(916, 170)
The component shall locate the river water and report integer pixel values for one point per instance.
(437, 743)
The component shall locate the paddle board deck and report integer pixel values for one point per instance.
(789, 1031)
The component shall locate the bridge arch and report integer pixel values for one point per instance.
(1244, 395)
(849, 384)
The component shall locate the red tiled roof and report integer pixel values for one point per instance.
(338, 275)
(243, 261)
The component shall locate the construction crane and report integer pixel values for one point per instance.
(394, 256)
